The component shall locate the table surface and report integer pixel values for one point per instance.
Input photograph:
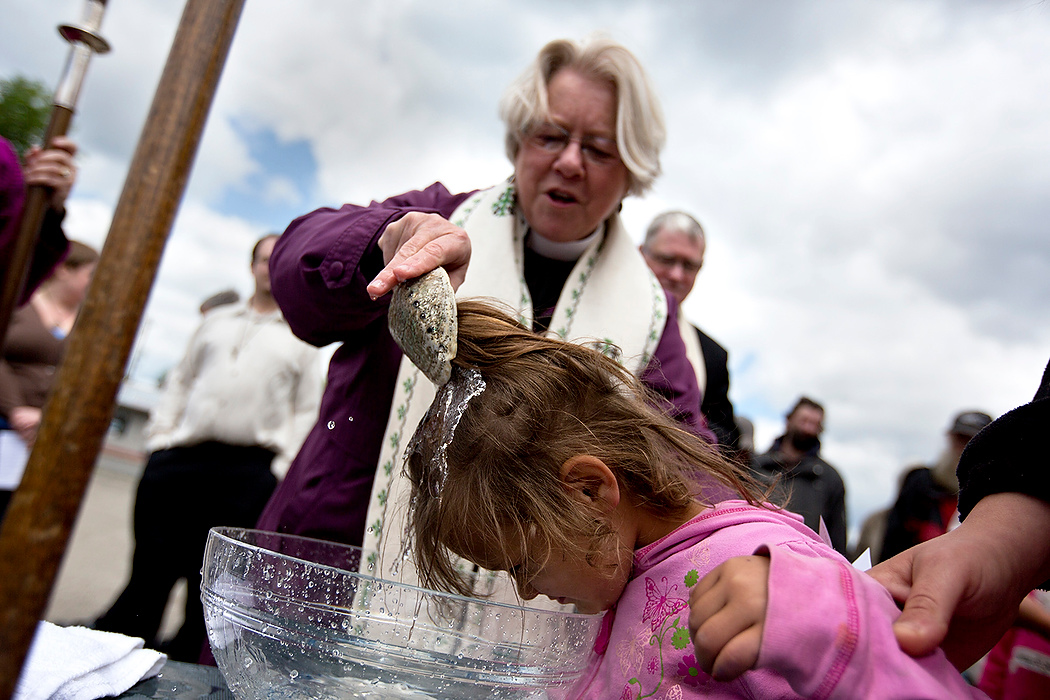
(181, 681)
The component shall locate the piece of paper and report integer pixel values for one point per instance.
(13, 457)
(863, 562)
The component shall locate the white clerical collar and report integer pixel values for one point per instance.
(558, 250)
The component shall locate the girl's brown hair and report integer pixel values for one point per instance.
(494, 484)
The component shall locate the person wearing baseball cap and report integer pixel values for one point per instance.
(927, 505)
(969, 423)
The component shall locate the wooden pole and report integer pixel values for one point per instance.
(43, 509)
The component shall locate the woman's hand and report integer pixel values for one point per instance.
(53, 167)
(25, 420)
(727, 611)
(416, 244)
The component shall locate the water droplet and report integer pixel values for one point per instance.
(331, 424)
(293, 674)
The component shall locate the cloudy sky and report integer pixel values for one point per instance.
(873, 176)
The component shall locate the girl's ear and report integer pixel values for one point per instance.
(590, 481)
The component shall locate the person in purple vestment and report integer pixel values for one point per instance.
(584, 129)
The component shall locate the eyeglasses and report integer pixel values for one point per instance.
(553, 139)
(670, 261)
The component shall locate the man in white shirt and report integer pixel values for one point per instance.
(233, 413)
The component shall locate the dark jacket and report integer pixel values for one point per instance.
(812, 488)
(715, 406)
(923, 510)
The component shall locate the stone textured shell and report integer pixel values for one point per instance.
(422, 319)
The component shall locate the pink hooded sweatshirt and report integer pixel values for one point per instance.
(828, 630)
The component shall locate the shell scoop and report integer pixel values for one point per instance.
(422, 320)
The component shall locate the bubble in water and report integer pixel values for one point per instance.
(293, 674)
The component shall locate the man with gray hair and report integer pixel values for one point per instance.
(674, 250)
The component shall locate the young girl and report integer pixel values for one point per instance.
(545, 459)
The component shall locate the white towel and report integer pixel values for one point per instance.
(77, 663)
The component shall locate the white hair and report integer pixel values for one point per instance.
(640, 132)
(675, 221)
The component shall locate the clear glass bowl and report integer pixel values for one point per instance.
(294, 617)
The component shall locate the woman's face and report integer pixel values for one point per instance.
(75, 280)
(565, 193)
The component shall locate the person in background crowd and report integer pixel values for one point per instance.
(873, 531)
(242, 399)
(927, 503)
(32, 349)
(805, 483)
(674, 249)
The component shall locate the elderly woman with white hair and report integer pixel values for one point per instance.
(584, 130)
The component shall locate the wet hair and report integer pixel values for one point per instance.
(674, 221)
(640, 132)
(493, 483)
(80, 254)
